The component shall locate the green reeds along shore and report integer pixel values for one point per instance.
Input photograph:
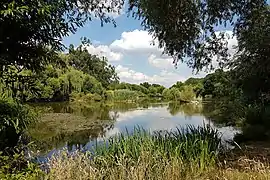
(175, 154)
(192, 153)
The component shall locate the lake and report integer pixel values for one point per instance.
(75, 126)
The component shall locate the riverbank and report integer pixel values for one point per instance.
(190, 153)
(251, 162)
(157, 158)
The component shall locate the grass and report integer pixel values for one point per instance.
(189, 153)
(191, 143)
(183, 153)
(81, 167)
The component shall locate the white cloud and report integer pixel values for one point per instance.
(137, 41)
(168, 78)
(161, 62)
(128, 75)
(104, 51)
(140, 42)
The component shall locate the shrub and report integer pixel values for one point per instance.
(187, 93)
(172, 94)
(16, 167)
(124, 95)
(91, 85)
(14, 119)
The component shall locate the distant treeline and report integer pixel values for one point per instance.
(81, 75)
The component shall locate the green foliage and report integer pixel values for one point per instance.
(172, 94)
(159, 88)
(97, 67)
(14, 119)
(17, 167)
(218, 84)
(57, 83)
(179, 85)
(200, 43)
(132, 87)
(196, 84)
(145, 84)
(42, 25)
(152, 90)
(193, 81)
(124, 95)
(198, 145)
(251, 66)
(91, 85)
(187, 94)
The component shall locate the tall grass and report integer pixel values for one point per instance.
(198, 144)
(143, 155)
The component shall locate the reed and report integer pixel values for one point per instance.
(141, 154)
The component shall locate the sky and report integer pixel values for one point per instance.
(130, 49)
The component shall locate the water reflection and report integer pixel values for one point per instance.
(79, 125)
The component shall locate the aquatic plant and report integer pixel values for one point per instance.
(190, 144)
(143, 154)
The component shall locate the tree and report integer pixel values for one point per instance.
(251, 66)
(218, 84)
(159, 88)
(186, 29)
(187, 94)
(145, 84)
(172, 94)
(193, 81)
(99, 68)
(32, 30)
(179, 85)
(91, 85)
(153, 90)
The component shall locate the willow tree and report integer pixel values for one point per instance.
(188, 30)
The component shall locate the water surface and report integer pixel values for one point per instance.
(80, 126)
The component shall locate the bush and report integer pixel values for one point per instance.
(16, 167)
(91, 85)
(124, 95)
(187, 94)
(92, 97)
(172, 94)
(14, 119)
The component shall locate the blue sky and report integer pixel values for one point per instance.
(128, 47)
